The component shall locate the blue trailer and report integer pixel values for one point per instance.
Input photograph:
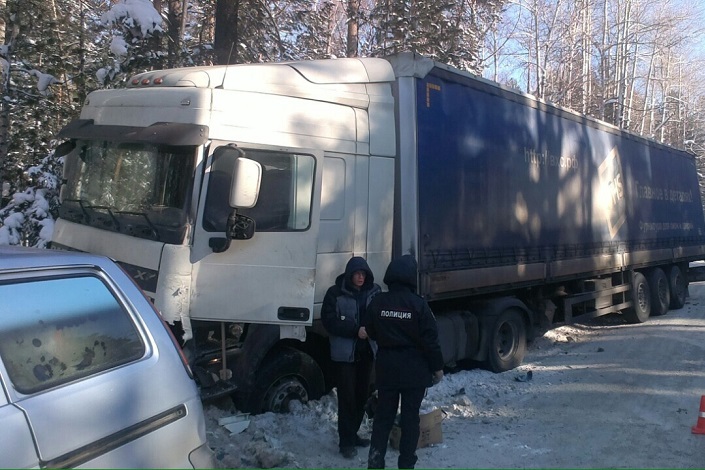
(528, 210)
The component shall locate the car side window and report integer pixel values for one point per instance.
(56, 330)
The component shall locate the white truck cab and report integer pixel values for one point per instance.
(234, 196)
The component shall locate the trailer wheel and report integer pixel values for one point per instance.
(640, 311)
(678, 286)
(287, 375)
(660, 292)
(507, 342)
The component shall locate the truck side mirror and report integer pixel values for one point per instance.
(245, 183)
(65, 148)
(239, 227)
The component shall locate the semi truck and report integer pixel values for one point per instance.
(234, 195)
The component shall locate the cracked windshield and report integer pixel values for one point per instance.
(138, 189)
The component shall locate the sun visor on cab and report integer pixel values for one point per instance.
(169, 133)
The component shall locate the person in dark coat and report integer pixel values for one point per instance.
(408, 360)
(342, 314)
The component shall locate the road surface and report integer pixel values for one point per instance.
(603, 395)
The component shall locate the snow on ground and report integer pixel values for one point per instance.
(307, 436)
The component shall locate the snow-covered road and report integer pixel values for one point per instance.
(601, 395)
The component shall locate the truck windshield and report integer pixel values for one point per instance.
(142, 190)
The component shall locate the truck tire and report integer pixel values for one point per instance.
(285, 375)
(640, 310)
(678, 286)
(507, 341)
(660, 292)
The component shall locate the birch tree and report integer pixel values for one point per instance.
(606, 58)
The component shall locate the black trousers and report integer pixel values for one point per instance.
(384, 420)
(353, 381)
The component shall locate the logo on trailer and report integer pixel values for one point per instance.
(611, 195)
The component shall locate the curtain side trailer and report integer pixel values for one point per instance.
(528, 212)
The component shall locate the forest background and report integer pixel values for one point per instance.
(637, 64)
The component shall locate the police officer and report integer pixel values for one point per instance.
(408, 360)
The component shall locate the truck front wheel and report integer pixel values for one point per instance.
(507, 341)
(285, 375)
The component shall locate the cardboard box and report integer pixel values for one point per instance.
(430, 427)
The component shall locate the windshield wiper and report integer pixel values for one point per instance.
(147, 230)
(71, 214)
(111, 222)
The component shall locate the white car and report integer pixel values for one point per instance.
(90, 375)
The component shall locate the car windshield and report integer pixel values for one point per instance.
(138, 189)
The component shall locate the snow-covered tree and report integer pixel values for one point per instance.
(34, 59)
(132, 32)
(49, 63)
(621, 60)
(450, 32)
(28, 218)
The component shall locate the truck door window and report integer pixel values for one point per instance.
(286, 191)
(58, 330)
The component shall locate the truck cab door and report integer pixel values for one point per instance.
(268, 278)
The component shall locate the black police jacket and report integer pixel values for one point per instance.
(402, 324)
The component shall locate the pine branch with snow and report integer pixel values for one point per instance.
(28, 218)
